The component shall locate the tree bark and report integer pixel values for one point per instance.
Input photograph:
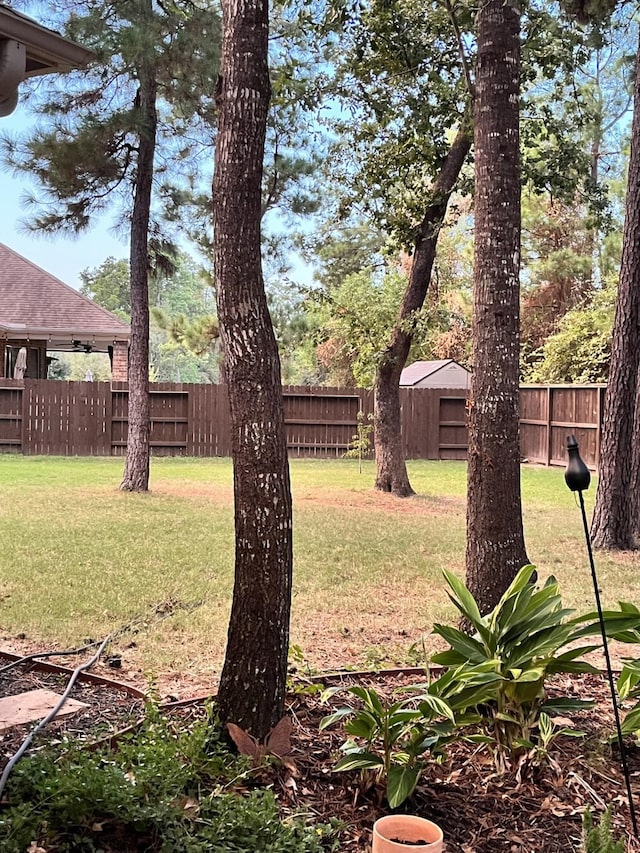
(391, 470)
(613, 519)
(253, 681)
(136, 473)
(495, 538)
(634, 486)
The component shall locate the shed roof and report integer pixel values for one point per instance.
(419, 370)
(36, 304)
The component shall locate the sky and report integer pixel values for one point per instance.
(63, 256)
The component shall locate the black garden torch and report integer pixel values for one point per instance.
(577, 477)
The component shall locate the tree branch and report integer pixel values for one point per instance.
(461, 50)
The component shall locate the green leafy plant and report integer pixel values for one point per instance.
(417, 654)
(298, 662)
(300, 674)
(628, 687)
(375, 656)
(165, 788)
(389, 739)
(497, 677)
(360, 446)
(549, 729)
(599, 839)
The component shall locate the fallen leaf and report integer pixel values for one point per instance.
(279, 739)
(247, 745)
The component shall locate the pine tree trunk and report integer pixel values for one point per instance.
(253, 682)
(495, 539)
(613, 522)
(391, 470)
(634, 485)
(136, 473)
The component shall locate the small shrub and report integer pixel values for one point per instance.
(496, 678)
(162, 790)
(599, 839)
(628, 686)
(360, 446)
(389, 739)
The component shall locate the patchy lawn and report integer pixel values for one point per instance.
(81, 559)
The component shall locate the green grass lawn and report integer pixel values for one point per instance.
(79, 558)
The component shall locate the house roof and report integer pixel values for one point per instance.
(28, 49)
(46, 50)
(36, 304)
(419, 370)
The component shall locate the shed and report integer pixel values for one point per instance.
(444, 373)
(42, 314)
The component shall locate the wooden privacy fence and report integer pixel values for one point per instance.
(549, 413)
(48, 417)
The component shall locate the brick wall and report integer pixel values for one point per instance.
(120, 364)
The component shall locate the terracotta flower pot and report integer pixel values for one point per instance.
(408, 833)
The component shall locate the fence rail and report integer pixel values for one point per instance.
(48, 417)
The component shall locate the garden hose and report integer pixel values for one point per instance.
(53, 713)
(80, 669)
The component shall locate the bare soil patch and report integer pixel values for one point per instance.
(370, 500)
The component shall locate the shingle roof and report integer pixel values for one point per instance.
(34, 302)
(419, 370)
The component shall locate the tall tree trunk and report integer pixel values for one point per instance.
(253, 681)
(634, 485)
(136, 472)
(613, 524)
(391, 470)
(495, 539)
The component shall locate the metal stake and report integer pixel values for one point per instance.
(578, 477)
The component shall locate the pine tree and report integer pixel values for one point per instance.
(495, 539)
(103, 133)
(253, 681)
(617, 499)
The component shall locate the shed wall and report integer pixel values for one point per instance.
(451, 376)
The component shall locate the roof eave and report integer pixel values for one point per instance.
(22, 330)
(47, 51)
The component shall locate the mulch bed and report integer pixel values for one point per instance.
(110, 708)
(530, 808)
(534, 807)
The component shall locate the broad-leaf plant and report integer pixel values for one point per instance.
(497, 678)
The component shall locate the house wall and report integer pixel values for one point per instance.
(120, 363)
(2, 357)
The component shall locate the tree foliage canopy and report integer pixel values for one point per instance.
(82, 151)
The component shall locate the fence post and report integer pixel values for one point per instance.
(599, 418)
(548, 426)
(24, 432)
